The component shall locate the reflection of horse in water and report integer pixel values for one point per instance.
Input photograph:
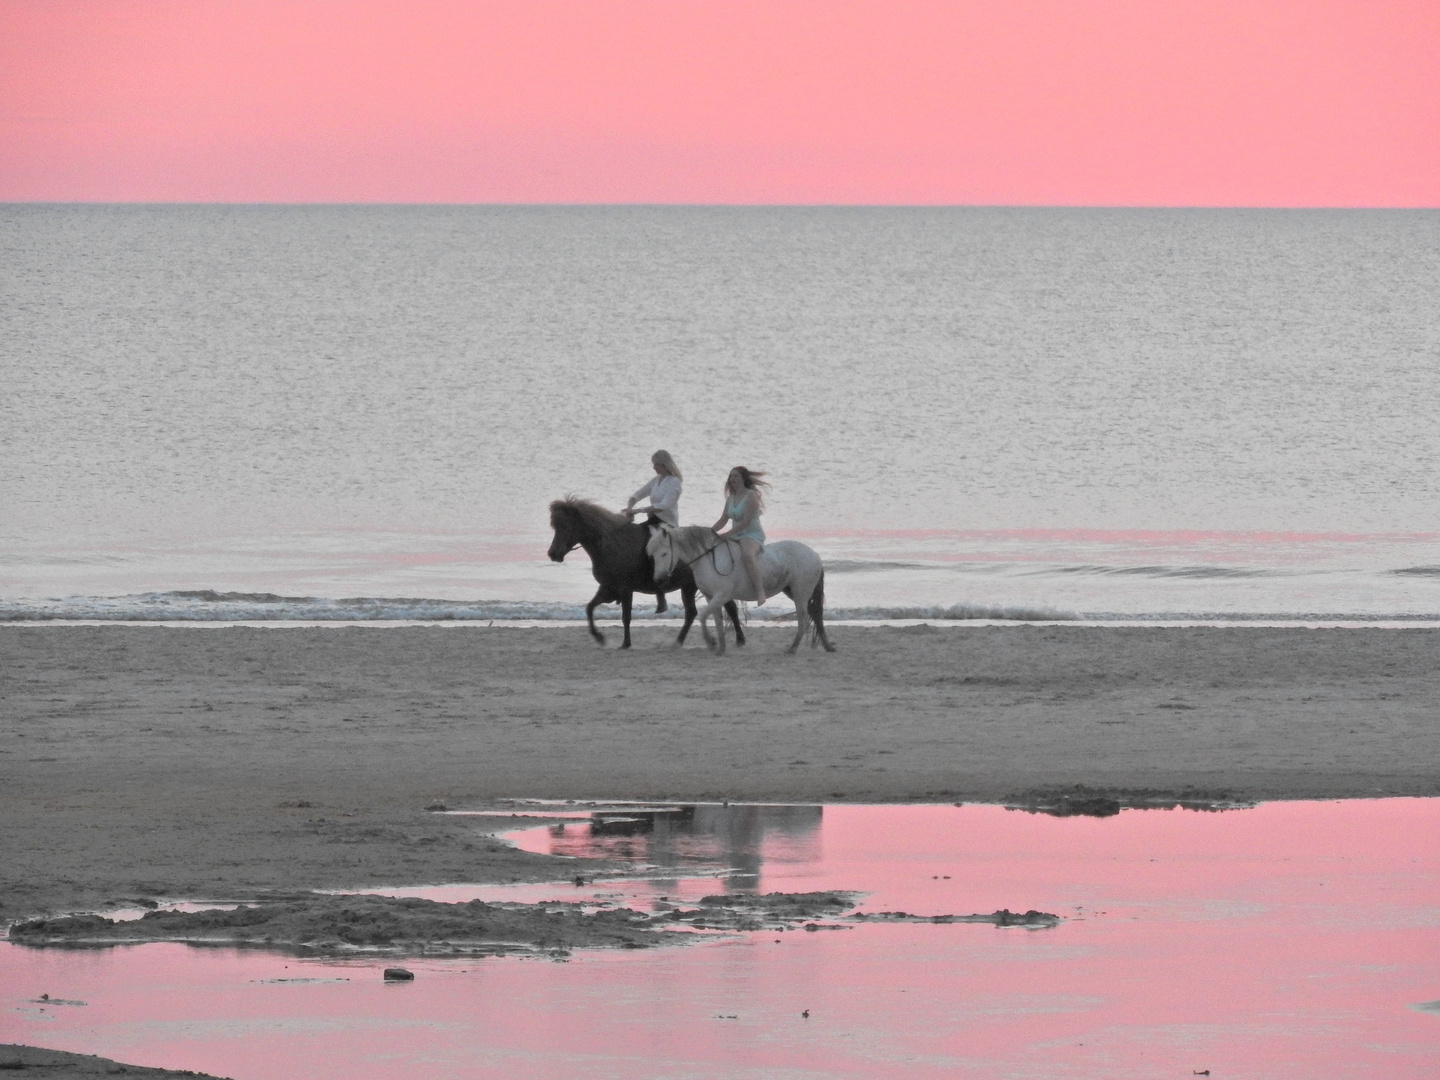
(686, 838)
(787, 566)
(616, 548)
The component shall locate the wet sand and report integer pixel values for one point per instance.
(235, 763)
(36, 1064)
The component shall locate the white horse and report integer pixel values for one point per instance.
(786, 566)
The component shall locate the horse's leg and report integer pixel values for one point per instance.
(627, 599)
(718, 610)
(595, 601)
(817, 614)
(802, 620)
(687, 599)
(734, 610)
(710, 608)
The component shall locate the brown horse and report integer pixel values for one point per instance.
(616, 547)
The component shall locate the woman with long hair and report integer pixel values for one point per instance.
(744, 503)
(663, 491)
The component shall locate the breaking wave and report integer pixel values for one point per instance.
(209, 606)
(205, 605)
(1162, 571)
(955, 612)
(1032, 569)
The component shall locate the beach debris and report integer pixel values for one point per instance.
(437, 808)
(399, 974)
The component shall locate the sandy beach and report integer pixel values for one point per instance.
(243, 762)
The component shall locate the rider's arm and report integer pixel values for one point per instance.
(724, 517)
(645, 489)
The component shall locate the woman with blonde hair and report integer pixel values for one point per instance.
(663, 490)
(744, 504)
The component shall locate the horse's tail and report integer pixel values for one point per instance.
(815, 608)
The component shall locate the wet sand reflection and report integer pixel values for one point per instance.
(736, 838)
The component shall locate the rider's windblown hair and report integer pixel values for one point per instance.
(662, 460)
(750, 478)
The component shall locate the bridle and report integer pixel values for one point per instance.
(570, 526)
(719, 543)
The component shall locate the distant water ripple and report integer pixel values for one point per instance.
(298, 412)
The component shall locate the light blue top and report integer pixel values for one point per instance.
(753, 531)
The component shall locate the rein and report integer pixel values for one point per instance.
(708, 551)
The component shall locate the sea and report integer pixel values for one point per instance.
(222, 413)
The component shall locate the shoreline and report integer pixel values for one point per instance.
(147, 763)
(1339, 622)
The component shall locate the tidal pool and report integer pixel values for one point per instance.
(1287, 940)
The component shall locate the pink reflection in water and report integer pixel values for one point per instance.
(1287, 941)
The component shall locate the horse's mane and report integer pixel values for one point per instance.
(692, 541)
(589, 515)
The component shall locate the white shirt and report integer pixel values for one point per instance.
(664, 492)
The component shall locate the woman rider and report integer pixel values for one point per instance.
(663, 490)
(743, 506)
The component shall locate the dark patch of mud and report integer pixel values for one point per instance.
(332, 925)
(1085, 801)
(772, 911)
(33, 1063)
(340, 924)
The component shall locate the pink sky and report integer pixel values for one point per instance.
(1090, 102)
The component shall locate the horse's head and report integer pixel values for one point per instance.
(567, 535)
(661, 549)
(579, 521)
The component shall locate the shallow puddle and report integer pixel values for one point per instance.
(1288, 940)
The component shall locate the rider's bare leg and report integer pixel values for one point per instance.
(749, 550)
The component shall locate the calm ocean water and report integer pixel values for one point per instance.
(219, 412)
